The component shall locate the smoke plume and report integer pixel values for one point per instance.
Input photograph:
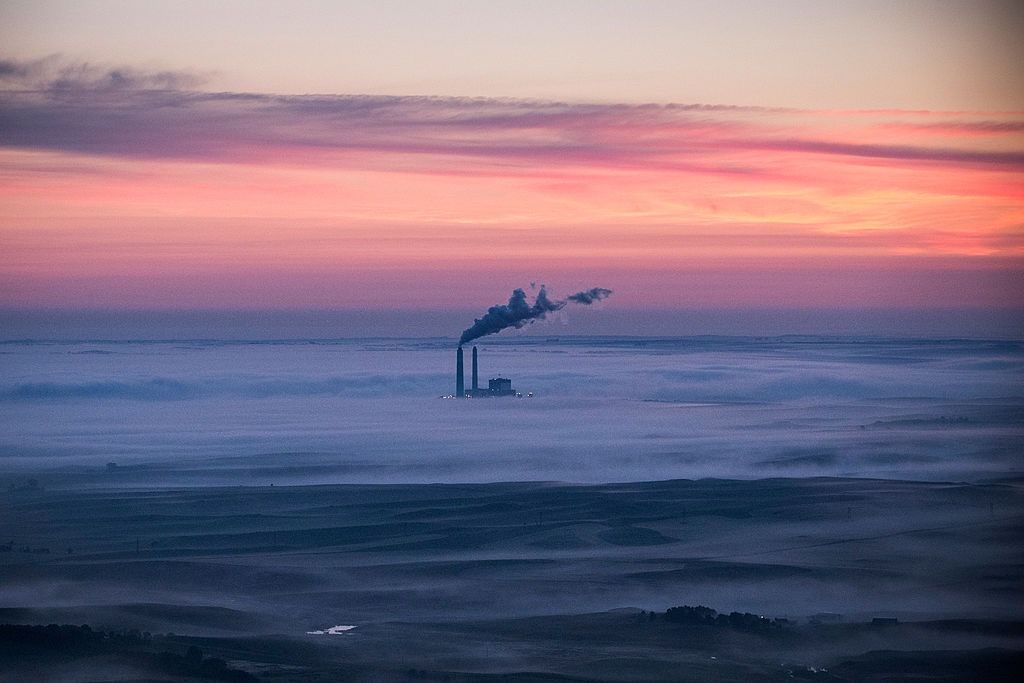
(589, 296)
(517, 312)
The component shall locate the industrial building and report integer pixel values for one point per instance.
(499, 386)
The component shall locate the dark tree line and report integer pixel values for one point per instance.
(740, 621)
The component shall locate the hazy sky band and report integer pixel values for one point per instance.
(859, 54)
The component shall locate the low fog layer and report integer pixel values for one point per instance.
(145, 486)
(604, 410)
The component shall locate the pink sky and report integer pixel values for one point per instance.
(125, 186)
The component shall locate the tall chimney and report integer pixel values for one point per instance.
(460, 381)
(475, 385)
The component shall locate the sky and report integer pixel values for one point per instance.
(435, 155)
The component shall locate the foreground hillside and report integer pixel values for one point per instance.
(858, 576)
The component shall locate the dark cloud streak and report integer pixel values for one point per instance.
(896, 152)
(87, 109)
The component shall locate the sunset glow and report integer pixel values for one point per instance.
(123, 187)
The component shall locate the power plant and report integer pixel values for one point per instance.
(499, 386)
(516, 313)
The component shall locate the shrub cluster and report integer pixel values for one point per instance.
(740, 621)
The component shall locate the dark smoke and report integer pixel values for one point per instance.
(517, 312)
(590, 296)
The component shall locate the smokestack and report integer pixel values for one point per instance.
(475, 386)
(460, 382)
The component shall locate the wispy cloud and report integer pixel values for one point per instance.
(954, 127)
(1011, 159)
(82, 108)
(55, 74)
